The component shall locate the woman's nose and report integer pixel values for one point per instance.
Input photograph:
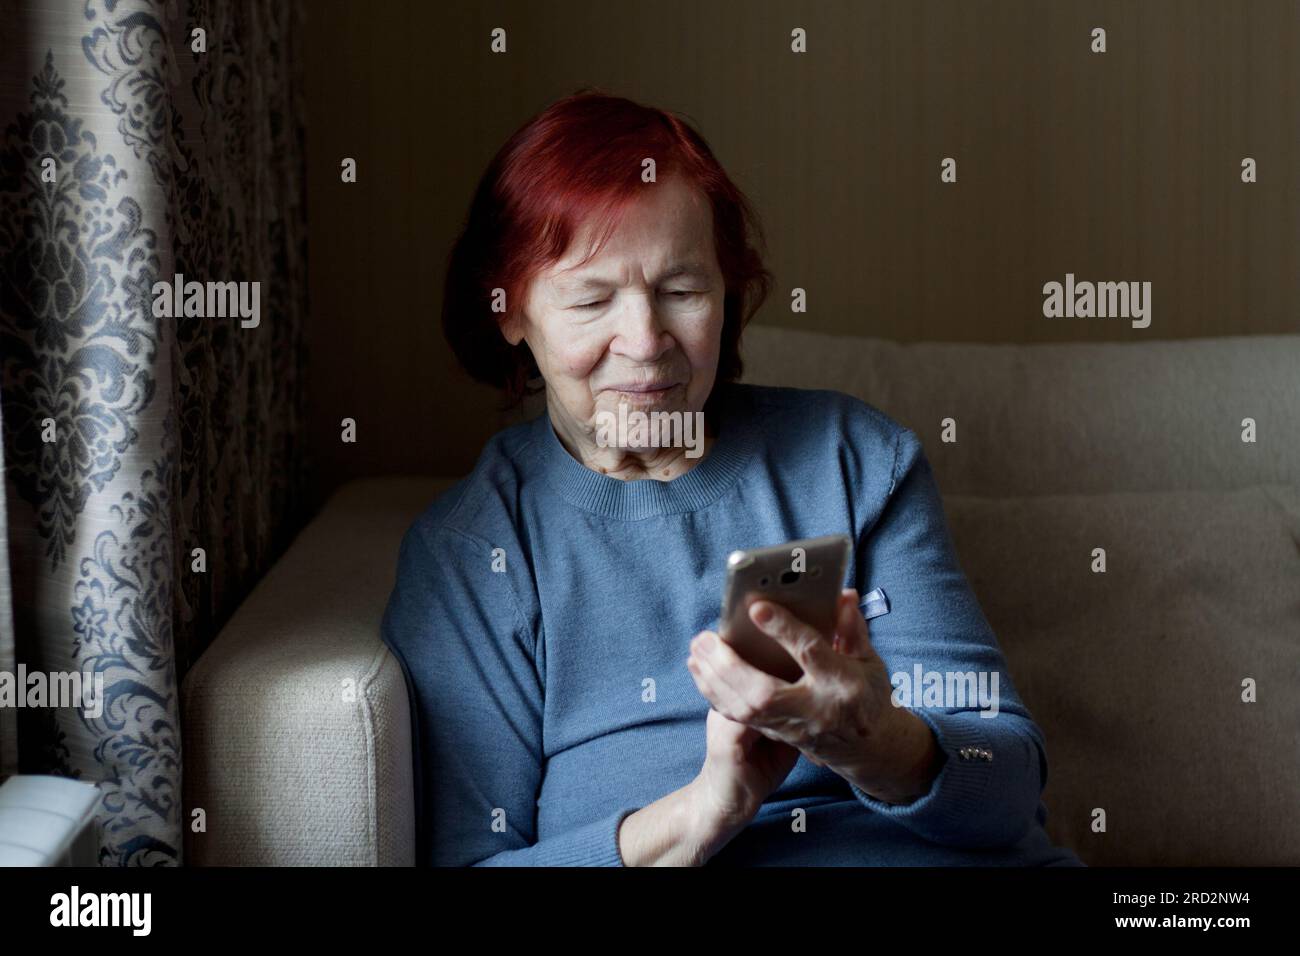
(641, 332)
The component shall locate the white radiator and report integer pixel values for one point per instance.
(48, 821)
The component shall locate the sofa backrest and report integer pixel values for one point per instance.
(1066, 418)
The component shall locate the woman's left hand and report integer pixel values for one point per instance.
(838, 714)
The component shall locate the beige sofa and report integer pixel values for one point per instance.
(297, 740)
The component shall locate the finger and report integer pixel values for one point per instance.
(847, 598)
(853, 634)
(727, 731)
(811, 650)
(704, 684)
(725, 700)
(735, 728)
(774, 716)
(760, 691)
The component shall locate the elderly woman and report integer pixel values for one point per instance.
(555, 611)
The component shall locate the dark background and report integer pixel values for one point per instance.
(1119, 166)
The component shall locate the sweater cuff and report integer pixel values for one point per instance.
(957, 794)
(595, 844)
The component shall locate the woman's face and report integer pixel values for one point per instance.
(640, 323)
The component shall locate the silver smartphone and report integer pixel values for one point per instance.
(803, 576)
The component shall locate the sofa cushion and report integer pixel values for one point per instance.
(1135, 675)
(1068, 418)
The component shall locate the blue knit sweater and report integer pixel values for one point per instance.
(542, 615)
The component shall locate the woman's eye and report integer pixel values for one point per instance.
(675, 293)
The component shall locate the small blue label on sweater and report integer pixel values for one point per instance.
(874, 604)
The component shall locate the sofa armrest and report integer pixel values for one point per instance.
(297, 735)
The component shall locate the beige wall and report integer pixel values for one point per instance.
(1120, 166)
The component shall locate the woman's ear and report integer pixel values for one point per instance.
(512, 327)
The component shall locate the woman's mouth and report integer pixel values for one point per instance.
(644, 389)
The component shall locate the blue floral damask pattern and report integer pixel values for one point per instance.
(76, 268)
(169, 435)
(219, 133)
(79, 346)
(123, 626)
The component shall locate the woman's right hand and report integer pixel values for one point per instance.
(691, 824)
(741, 769)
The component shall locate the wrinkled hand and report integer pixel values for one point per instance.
(742, 767)
(838, 714)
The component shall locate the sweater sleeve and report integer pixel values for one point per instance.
(476, 708)
(994, 762)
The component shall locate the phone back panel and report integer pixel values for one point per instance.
(811, 593)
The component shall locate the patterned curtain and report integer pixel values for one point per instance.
(130, 440)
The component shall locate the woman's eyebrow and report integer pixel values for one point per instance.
(681, 268)
(685, 268)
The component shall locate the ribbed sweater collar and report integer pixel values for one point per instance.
(646, 497)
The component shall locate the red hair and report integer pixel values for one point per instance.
(580, 159)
